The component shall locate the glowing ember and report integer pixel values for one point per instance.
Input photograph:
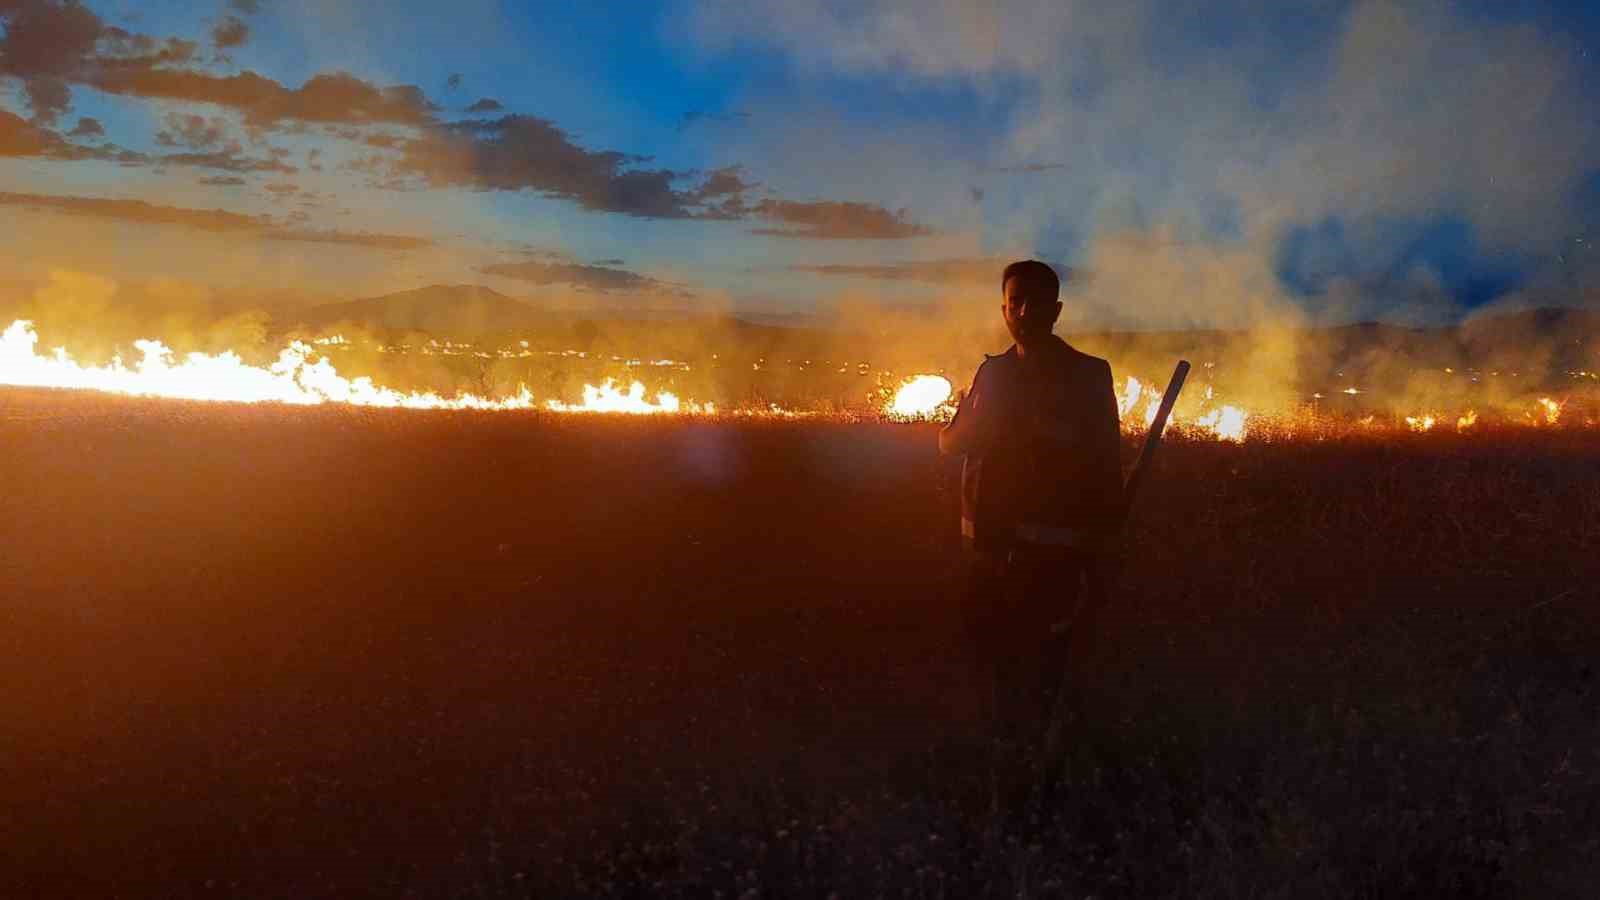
(1551, 410)
(1420, 423)
(920, 397)
(1467, 421)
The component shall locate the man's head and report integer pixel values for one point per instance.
(1030, 294)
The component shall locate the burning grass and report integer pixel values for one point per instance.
(332, 651)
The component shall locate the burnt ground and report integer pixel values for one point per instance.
(259, 651)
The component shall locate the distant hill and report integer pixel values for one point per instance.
(1544, 343)
(474, 312)
(458, 310)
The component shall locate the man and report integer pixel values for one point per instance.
(1041, 499)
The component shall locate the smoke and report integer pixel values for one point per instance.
(1246, 173)
(1230, 126)
(99, 318)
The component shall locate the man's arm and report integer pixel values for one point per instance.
(970, 431)
(1108, 422)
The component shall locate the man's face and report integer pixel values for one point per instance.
(1028, 316)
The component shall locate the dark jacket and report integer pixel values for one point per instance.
(1042, 445)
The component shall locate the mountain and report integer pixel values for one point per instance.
(453, 310)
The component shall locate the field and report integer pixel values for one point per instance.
(326, 652)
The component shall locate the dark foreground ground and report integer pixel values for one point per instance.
(261, 652)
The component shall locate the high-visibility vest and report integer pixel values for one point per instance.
(1052, 476)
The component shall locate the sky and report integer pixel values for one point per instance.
(1187, 164)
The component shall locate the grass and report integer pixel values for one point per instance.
(264, 652)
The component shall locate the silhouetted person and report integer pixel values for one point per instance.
(1041, 500)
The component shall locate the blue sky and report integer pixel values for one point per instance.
(1411, 161)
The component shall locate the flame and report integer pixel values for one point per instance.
(1226, 423)
(293, 378)
(1133, 393)
(920, 397)
(1130, 395)
(608, 398)
(304, 374)
(1420, 423)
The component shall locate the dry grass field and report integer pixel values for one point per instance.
(327, 652)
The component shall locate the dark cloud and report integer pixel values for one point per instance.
(18, 137)
(51, 44)
(281, 188)
(127, 49)
(223, 181)
(212, 220)
(248, 7)
(608, 262)
(337, 97)
(228, 159)
(191, 131)
(47, 97)
(21, 138)
(518, 152)
(87, 127)
(232, 31)
(46, 37)
(597, 278)
(724, 182)
(836, 220)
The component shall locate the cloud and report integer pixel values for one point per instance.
(191, 131)
(18, 137)
(836, 220)
(1235, 125)
(934, 271)
(248, 7)
(1029, 168)
(230, 32)
(485, 105)
(87, 127)
(21, 138)
(281, 188)
(212, 220)
(517, 152)
(45, 37)
(47, 97)
(335, 98)
(223, 181)
(227, 159)
(598, 278)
